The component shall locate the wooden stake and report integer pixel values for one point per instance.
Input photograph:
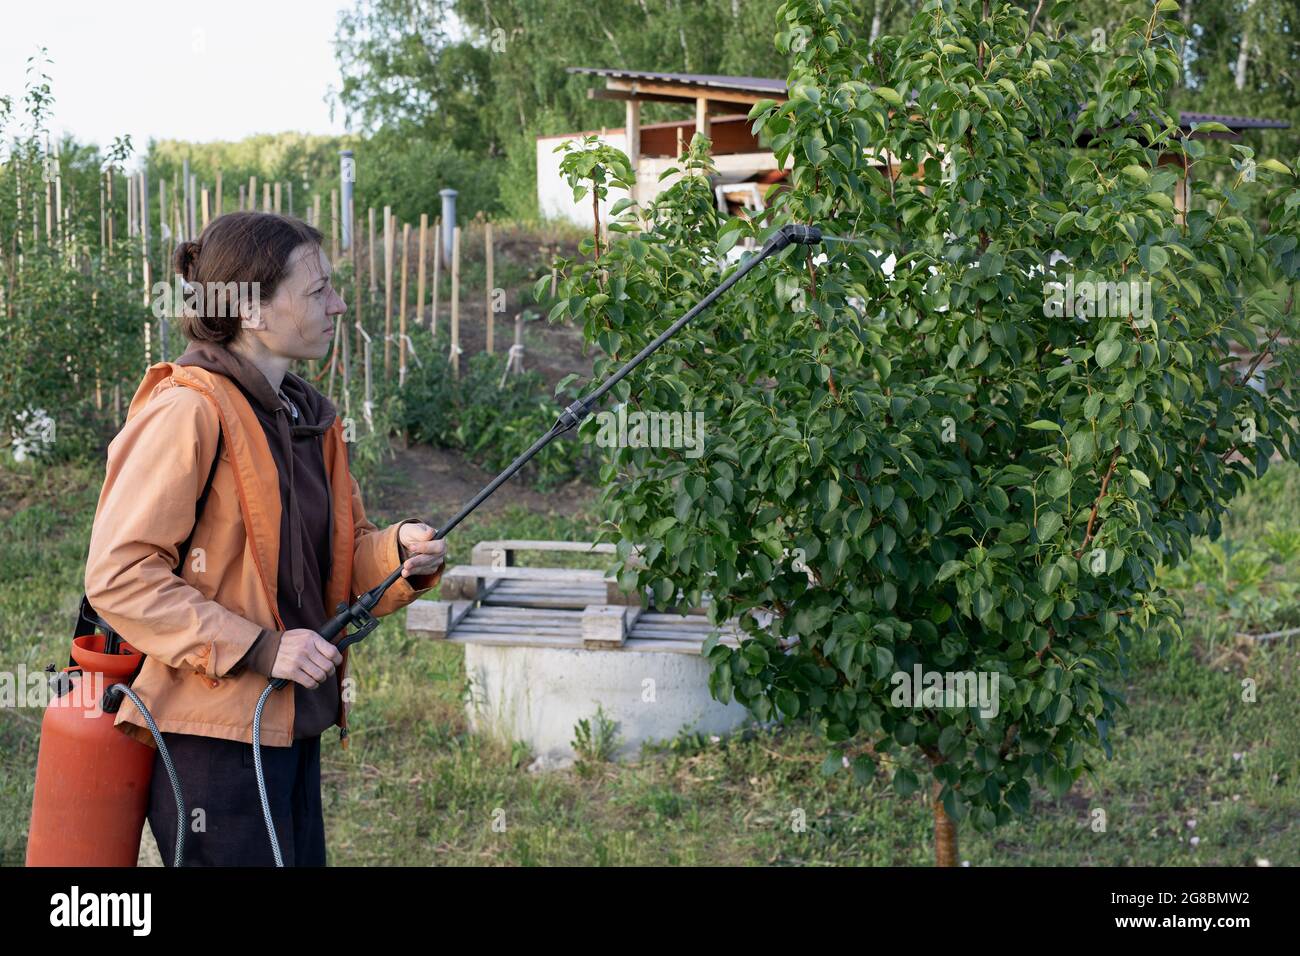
(277, 198)
(203, 202)
(243, 196)
(491, 287)
(401, 323)
(194, 199)
(221, 206)
(388, 287)
(437, 272)
(334, 225)
(315, 211)
(455, 302)
(130, 207)
(110, 212)
(419, 283)
(165, 270)
(374, 282)
(356, 310)
(266, 197)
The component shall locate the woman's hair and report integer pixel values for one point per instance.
(234, 252)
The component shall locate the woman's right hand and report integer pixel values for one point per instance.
(305, 658)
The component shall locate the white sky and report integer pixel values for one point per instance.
(198, 71)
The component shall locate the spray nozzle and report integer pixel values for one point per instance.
(792, 234)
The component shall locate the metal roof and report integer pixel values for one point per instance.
(1232, 122)
(768, 86)
(746, 84)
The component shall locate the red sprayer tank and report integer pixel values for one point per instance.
(92, 781)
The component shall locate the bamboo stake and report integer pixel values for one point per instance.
(370, 265)
(401, 322)
(334, 225)
(60, 215)
(356, 309)
(110, 213)
(162, 227)
(185, 202)
(388, 286)
(130, 207)
(373, 280)
(455, 302)
(487, 242)
(419, 282)
(143, 193)
(130, 222)
(437, 272)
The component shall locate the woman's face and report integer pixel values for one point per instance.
(298, 321)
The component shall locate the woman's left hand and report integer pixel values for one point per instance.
(425, 555)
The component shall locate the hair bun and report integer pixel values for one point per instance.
(187, 258)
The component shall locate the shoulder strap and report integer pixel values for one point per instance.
(88, 619)
(198, 505)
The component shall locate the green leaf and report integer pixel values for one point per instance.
(1064, 705)
(1058, 482)
(829, 494)
(1049, 577)
(1049, 522)
(1059, 780)
(889, 95)
(949, 740)
(949, 569)
(1108, 351)
(905, 782)
(864, 769)
(1043, 425)
(787, 701)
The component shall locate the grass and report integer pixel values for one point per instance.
(1192, 758)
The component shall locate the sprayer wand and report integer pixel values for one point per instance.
(359, 616)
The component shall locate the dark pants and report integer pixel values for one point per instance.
(217, 777)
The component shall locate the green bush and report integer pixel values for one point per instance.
(491, 422)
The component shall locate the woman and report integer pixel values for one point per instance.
(281, 541)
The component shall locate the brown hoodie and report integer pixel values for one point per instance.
(305, 516)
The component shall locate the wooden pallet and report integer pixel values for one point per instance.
(493, 601)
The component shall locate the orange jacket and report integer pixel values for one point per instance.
(194, 627)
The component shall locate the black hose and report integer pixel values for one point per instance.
(181, 815)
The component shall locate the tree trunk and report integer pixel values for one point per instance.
(1243, 49)
(945, 831)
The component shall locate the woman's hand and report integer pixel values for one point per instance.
(424, 554)
(305, 658)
